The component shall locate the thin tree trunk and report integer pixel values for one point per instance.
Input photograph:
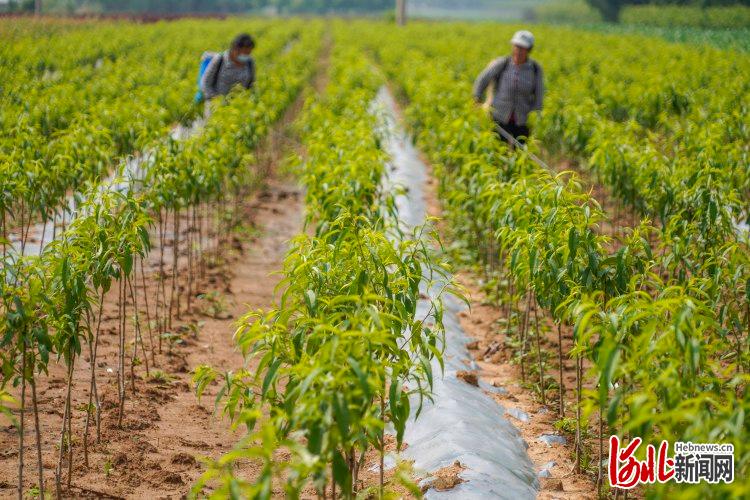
(524, 335)
(177, 263)
(161, 311)
(4, 236)
(201, 221)
(121, 354)
(539, 353)
(22, 414)
(175, 252)
(92, 363)
(401, 12)
(41, 239)
(38, 430)
(94, 387)
(148, 315)
(63, 443)
(578, 413)
(190, 244)
(23, 225)
(138, 333)
(382, 445)
(509, 310)
(560, 359)
(600, 472)
(26, 231)
(70, 425)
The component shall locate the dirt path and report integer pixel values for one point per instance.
(187, 429)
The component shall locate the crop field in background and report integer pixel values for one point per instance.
(625, 255)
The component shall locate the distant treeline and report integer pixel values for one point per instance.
(200, 6)
(716, 14)
(610, 9)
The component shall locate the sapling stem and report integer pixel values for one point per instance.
(5, 235)
(94, 388)
(148, 315)
(41, 238)
(539, 352)
(138, 331)
(38, 432)
(201, 222)
(175, 252)
(560, 359)
(161, 311)
(578, 412)
(524, 335)
(64, 445)
(600, 471)
(382, 444)
(121, 354)
(70, 423)
(88, 407)
(190, 243)
(23, 233)
(21, 428)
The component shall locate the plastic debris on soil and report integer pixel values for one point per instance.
(463, 424)
(492, 388)
(518, 414)
(389, 462)
(550, 439)
(546, 469)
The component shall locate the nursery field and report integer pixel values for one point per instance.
(296, 294)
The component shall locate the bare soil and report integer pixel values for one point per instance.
(156, 453)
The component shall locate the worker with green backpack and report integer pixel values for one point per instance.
(220, 72)
(518, 88)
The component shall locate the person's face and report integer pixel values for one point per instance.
(242, 51)
(520, 54)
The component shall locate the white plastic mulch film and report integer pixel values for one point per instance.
(462, 423)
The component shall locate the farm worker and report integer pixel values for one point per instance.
(229, 68)
(518, 88)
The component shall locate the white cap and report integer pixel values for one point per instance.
(523, 39)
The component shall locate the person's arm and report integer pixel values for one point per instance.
(251, 81)
(486, 77)
(539, 90)
(210, 77)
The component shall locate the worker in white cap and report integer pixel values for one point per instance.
(518, 88)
